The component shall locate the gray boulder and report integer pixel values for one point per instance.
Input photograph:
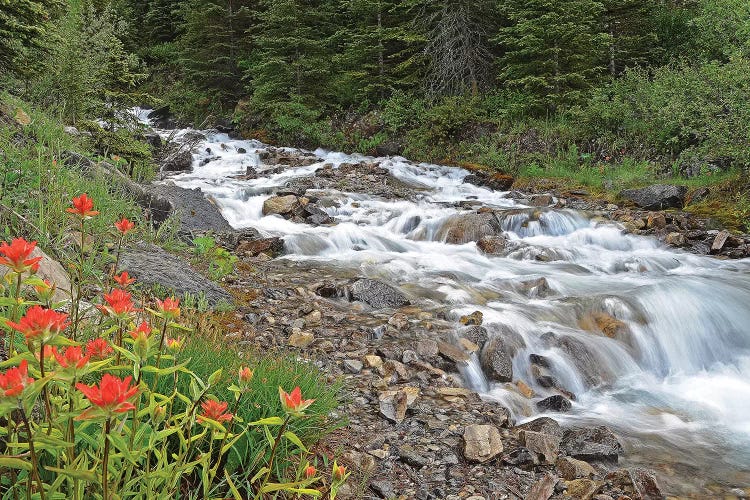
(591, 444)
(196, 213)
(656, 197)
(150, 266)
(376, 294)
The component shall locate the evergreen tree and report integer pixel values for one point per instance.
(210, 47)
(377, 50)
(23, 26)
(553, 48)
(632, 39)
(291, 60)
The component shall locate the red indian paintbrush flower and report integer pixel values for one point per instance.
(245, 375)
(215, 411)
(15, 380)
(310, 471)
(339, 472)
(110, 397)
(169, 307)
(40, 324)
(124, 279)
(83, 206)
(72, 357)
(293, 403)
(124, 226)
(16, 256)
(120, 303)
(175, 344)
(98, 348)
(144, 329)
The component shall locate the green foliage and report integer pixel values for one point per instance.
(89, 74)
(24, 26)
(220, 261)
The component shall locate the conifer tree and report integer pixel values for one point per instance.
(552, 48)
(291, 60)
(23, 26)
(629, 24)
(210, 47)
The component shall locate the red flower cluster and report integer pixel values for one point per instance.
(110, 397)
(144, 329)
(169, 307)
(83, 207)
(120, 303)
(124, 226)
(124, 279)
(98, 348)
(40, 324)
(214, 410)
(293, 403)
(15, 380)
(16, 256)
(72, 357)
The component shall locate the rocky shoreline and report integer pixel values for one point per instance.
(415, 430)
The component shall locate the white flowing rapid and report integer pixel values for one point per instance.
(677, 389)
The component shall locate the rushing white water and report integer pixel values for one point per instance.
(678, 385)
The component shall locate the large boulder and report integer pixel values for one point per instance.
(657, 196)
(196, 213)
(591, 444)
(496, 357)
(464, 228)
(376, 294)
(178, 160)
(280, 205)
(497, 181)
(151, 266)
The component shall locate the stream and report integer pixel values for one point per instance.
(675, 389)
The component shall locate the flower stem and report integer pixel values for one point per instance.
(34, 457)
(105, 472)
(259, 495)
(15, 315)
(79, 282)
(45, 392)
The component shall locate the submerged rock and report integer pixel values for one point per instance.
(280, 205)
(554, 403)
(591, 444)
(465, 228)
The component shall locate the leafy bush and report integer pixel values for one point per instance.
(220, 261)
(124, 409)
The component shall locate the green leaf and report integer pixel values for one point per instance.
(15, 463)
(296, 440)
(267, 421)
(82, 475)
(260, 474)
(269, 437)
(232, 487)
(215, 376)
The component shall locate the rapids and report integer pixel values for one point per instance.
(677, 392)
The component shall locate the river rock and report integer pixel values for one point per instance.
(393, 404)
(482, 443)
(591, 444)
(454, 353)
(570, 468)
(657, 196)
(719, 241)
(587, 364)
(152, 266)
(582, 489)
(545, 425)
(292, 158)
(545, 446)
(465, 228)
(554, 403)
(536, 288)
(377, 294)
(270, 246)
(280, 205)
(179, 160)
(497, 360)
(494, 245)
(603, 322)
(675, 239)
(637, 483)
(475, 333)
(542, 489)
(473, 319)
(197, 214)
(497, 181)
